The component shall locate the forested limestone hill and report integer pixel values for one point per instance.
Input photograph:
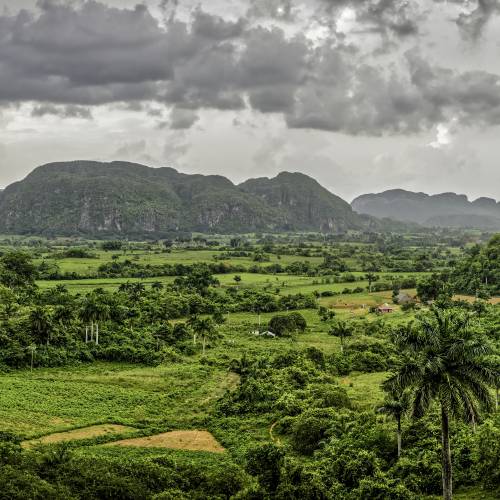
(128, 199)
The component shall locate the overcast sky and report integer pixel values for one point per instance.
(364, 95)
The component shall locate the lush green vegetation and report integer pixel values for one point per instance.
(273, 344)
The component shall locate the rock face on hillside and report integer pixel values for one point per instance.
(303, 202)
(127, 199)
(441, 210)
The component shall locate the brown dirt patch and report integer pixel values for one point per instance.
(469, 298)
(76, 434)
(179, 440)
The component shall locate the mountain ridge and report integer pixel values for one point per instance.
(130, 199)
(439, 210)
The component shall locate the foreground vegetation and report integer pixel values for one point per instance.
(273, 344)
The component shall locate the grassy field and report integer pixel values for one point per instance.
(176, 256)
(285, 283)
(161, 398)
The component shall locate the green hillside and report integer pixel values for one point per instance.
(127, 199)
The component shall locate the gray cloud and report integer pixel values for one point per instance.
(216, 28)
(396, 17)
(472, 97)
(282, 10)
(68, 111)
(71, 55)
(181, 119)
(473, 23)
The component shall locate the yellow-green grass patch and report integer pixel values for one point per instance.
(192, 440)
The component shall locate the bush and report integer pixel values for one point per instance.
(382, 488)
(283, 325)
(310, 428)
(350, 466)
(327, 395)
(368, 362)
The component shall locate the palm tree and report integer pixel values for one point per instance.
(395, 405)
(93, 310)
(371, 277)
(341, 329)
(446, 365)
(137, 290)
(87, 314)
(103, 314)
(205, 328)
(41, 322)
(192, 323)
(63, 314)
(32, 350)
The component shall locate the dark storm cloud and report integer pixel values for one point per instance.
(94, 54)
(91, 55)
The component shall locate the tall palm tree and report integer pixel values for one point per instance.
(87, 313)
(192, 323)
(341, 329)
(205, 328)
(447, 366)
(41, 323)
(371, 277)
(94, 309)
(396, 405)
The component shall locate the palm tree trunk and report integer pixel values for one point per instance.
(97, 333)
(342, 344)
(204, 342)
(446, 455)
(194, 338)
(399, 437)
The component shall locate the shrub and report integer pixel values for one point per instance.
(283, 325)
(368, 362)
(327, 395)
(310, 429)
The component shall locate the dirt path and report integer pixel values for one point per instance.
(271, 435)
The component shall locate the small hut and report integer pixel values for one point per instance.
(385, 309)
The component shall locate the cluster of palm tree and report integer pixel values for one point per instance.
(92, 312)
(343, 330)
(204, 328)
(446, 364)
